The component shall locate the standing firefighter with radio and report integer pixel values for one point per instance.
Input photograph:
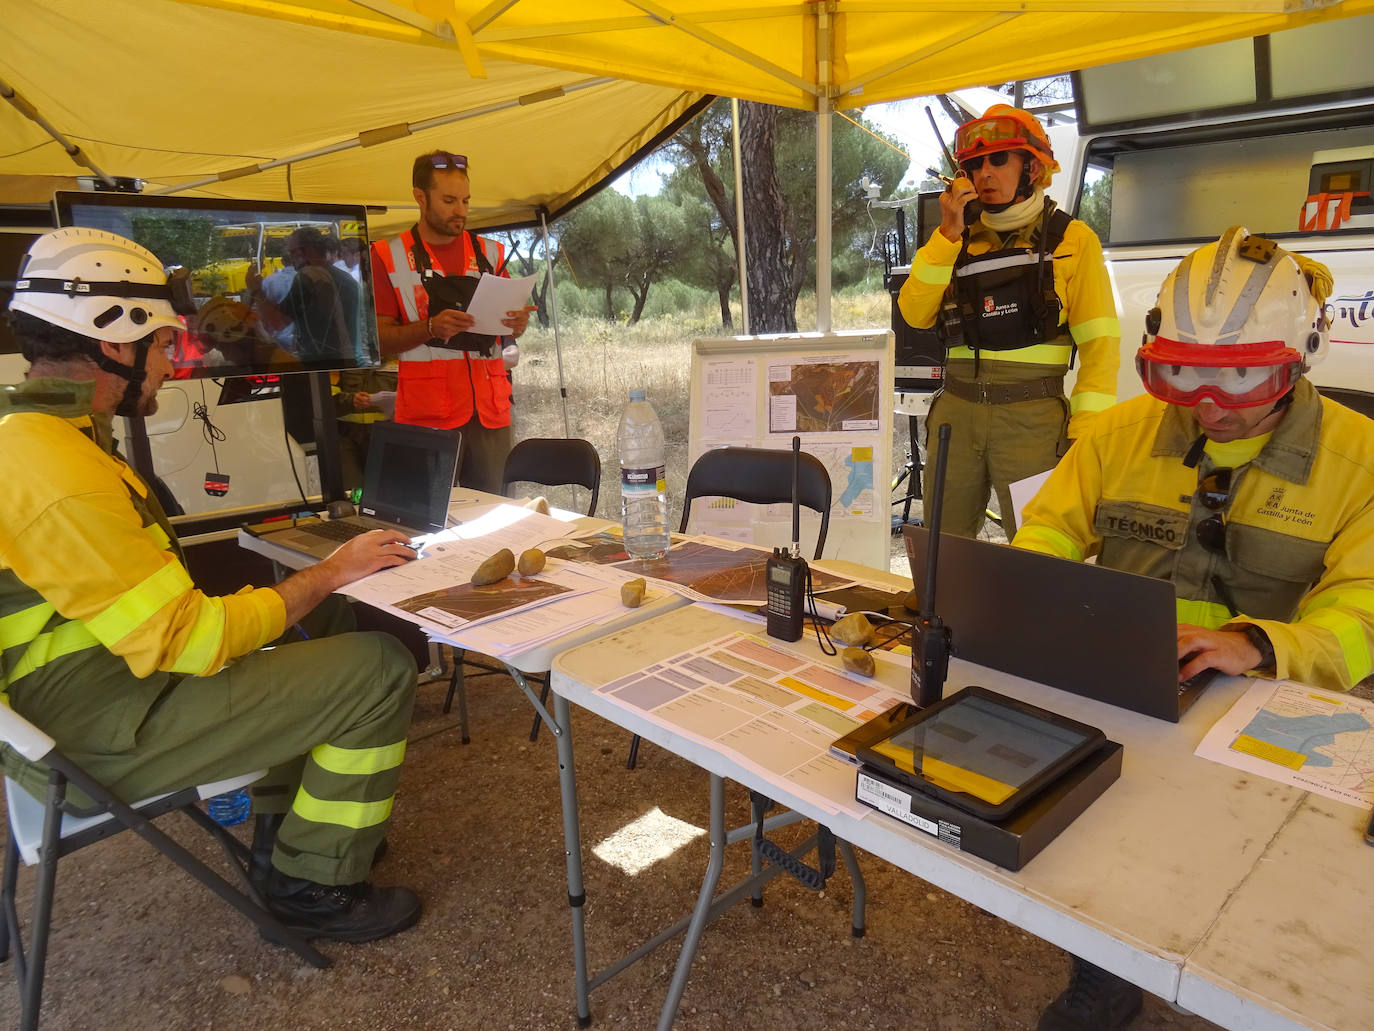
(1236, 481)
(1017, 289)
(423, 281)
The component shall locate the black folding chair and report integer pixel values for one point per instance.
(760, 476)
(550, 462)
(41, 833)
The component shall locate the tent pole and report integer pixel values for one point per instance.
(825, 43)
(739, 220)
(553, 316)
(32, 114)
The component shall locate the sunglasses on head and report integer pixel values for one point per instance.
(997, 159)
(444, 160)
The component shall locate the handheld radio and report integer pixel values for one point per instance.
(787, 573)
(973, 208)
(930, 638)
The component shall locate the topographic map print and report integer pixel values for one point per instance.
(718, 573)
(827, 397)
(1320, 738)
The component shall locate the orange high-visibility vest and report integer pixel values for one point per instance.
(437, 386)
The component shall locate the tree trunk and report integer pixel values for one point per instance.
(639, 290)
(610, 302)
(771, 295)
(727, 320)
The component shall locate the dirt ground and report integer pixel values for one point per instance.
(477, 832)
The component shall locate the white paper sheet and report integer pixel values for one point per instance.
(495, 296)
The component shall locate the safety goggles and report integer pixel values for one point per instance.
(1228, 386)
(1002, 133)
(443, 160)
(997, 159)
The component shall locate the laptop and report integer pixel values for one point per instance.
(1093, 631)
(407, 483)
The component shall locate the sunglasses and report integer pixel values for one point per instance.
(1214, 494)
(997, 159)
(444, 160)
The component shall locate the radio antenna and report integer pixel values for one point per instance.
(930, 638)
(796, 503)
(954, 165)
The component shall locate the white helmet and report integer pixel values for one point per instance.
(1236, 321)
(96, 284)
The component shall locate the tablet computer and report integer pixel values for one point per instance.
(982, 751)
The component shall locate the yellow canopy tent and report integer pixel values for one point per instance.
(327, 100)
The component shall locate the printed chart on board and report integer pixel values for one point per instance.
(834, 391)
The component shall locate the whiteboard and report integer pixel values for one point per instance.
(834, 390)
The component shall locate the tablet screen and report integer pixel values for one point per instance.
(980, 747)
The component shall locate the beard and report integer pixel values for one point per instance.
(443, 227)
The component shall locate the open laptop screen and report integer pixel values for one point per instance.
(409, 474)
(1097, 632)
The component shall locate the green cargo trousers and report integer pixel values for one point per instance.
(327, 717)
(991, 446)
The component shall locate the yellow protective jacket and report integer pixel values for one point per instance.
(1080, 280)
(1299, 558)
(95, 603)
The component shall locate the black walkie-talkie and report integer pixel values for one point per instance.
(787, 574)
(930, 638)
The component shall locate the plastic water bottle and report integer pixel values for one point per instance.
(230, 808)
(643, 488)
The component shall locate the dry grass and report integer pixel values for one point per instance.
(602, 361)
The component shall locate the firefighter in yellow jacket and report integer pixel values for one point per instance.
(1017, 291)
(1234, 479)
(143, 680)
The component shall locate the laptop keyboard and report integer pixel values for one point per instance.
(334, 530)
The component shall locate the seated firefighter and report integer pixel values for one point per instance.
(143, 680)
(1236, 481)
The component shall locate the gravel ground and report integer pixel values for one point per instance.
(477, 831)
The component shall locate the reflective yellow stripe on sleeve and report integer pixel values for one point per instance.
(1107, 326)
(138, 603)
(65, 640)
(1048, 541)
(1350, 637)
(23, 626)
(1206, 614)
(936, 275)
(358, 761)
(204, 640)
(1090, 401)
(343, 814)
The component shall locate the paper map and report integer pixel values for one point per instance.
(772, 708)
(1320, 741)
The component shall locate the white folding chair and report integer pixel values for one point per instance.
(41, 833)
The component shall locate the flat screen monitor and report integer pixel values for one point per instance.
(279, 287)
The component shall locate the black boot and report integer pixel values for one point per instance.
(1094, 1001)
(260, 856)
(358, 912)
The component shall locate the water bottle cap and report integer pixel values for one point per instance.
(637, 395)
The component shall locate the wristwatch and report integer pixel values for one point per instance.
(1267, 663)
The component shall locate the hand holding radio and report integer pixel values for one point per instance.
(958, 206)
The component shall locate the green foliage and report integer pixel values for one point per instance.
(1095, 207)
(176, 240)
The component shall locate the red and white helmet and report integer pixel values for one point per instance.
(96, 284)
(1237, 322)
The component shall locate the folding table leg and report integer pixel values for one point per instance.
(702, 914)
(561, 726)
